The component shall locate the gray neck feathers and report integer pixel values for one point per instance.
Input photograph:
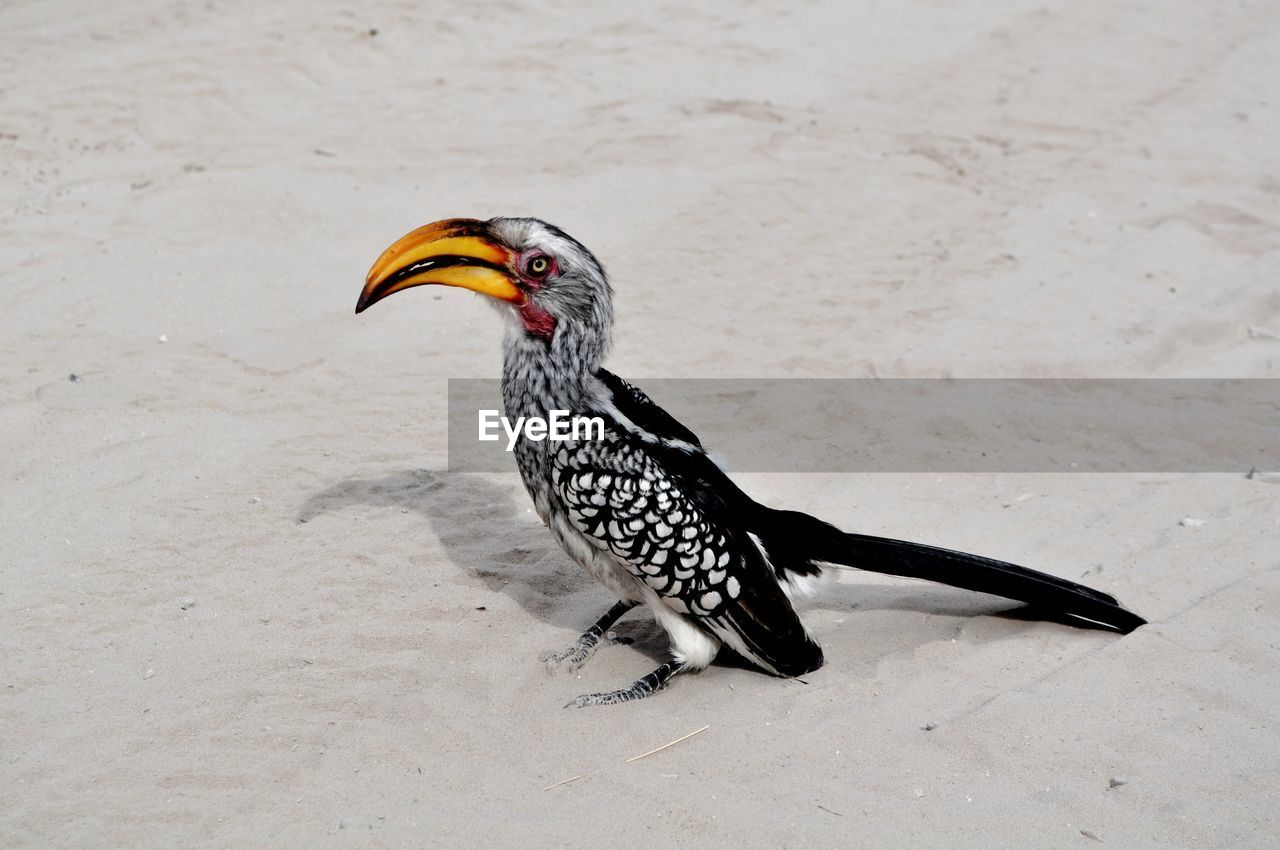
(539, 376)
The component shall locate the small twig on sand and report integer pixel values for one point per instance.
(672, 744)
(563, 782)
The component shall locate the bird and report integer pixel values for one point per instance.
(642, 507)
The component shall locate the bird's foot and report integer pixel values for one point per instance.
(641, 688)
(569, 660)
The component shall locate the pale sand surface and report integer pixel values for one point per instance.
(1049, 188)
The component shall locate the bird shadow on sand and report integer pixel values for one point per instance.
(482, 531)
(486, 531)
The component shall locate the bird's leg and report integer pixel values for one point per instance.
(583, 648)
(641, 688)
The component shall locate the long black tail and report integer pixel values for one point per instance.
(799, 543)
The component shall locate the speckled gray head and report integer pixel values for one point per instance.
(563, 279)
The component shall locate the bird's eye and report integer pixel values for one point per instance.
(538, 266)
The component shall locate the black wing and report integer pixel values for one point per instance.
(633, 403)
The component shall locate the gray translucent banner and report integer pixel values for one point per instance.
(900, 425)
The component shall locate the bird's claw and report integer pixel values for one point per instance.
(639, 690)
(606, 698)
(569, 660)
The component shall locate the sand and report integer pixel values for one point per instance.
(242, 603)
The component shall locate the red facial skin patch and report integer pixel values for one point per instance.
(536, 320)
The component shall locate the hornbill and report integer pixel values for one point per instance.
(643, 509)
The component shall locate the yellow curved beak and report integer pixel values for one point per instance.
(453, 252)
